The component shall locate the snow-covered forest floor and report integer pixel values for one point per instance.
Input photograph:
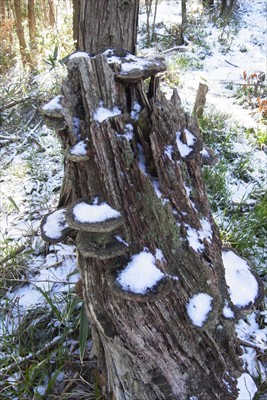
(43, 331)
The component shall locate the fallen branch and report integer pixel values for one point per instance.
(32, 356)
(14, 103)
(13, 254)
(181, 49)
(233, 65)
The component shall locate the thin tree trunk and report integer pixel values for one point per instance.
(76, 13)
(3, 10)
(154, 20)
(52, 20)
(148, 4)
(25, 55)
(32, 22)
(44, 13)
(184, 13)
(223, 7)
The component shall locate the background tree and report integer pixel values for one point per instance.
(25, 54)
(2, 10)
(184, 13)
(145, 163)
(52, 19)
(32, 21)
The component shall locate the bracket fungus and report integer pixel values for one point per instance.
(53, 114)
(54, 227)
(139, 279)
(100, 245)
(130, 68)
(93, 216)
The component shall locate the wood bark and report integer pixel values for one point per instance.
(146, 345)
(97, 27)
(200, 101)
(25, 55)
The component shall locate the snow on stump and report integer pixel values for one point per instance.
(54, 227)
(188, 144)
(93, 216)
(79, 152)
(199, 308)
(53, 114)
(140, 279)
(245, 288)
(130, 68)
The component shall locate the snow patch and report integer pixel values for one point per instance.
(185, 149)
(102, 113)
(80, 149)
(246, 387)
(79, 54)
(242, 286)
(54, 104)
(55, 224)
(168, 150)
(195, 237)
(227, 312)
(199, 307)
(84, 212)
(141, 273)
(135, 111)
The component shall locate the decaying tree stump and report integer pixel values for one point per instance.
(200, 101)
(141, 156)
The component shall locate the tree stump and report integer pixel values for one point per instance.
(168, 339)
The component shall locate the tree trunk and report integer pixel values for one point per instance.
(76, 13)
(97, 29)
(184, 14)
(52, 20)
(32, 22)
(145, 162)
(44, 12)
(3, 10)
(25, 55)
(223, 7)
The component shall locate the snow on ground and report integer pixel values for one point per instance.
(247, 52)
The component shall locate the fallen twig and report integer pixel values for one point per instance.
(13, 254)
(233, 65)
(14, 103)
(32, 356)
(182, 49)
